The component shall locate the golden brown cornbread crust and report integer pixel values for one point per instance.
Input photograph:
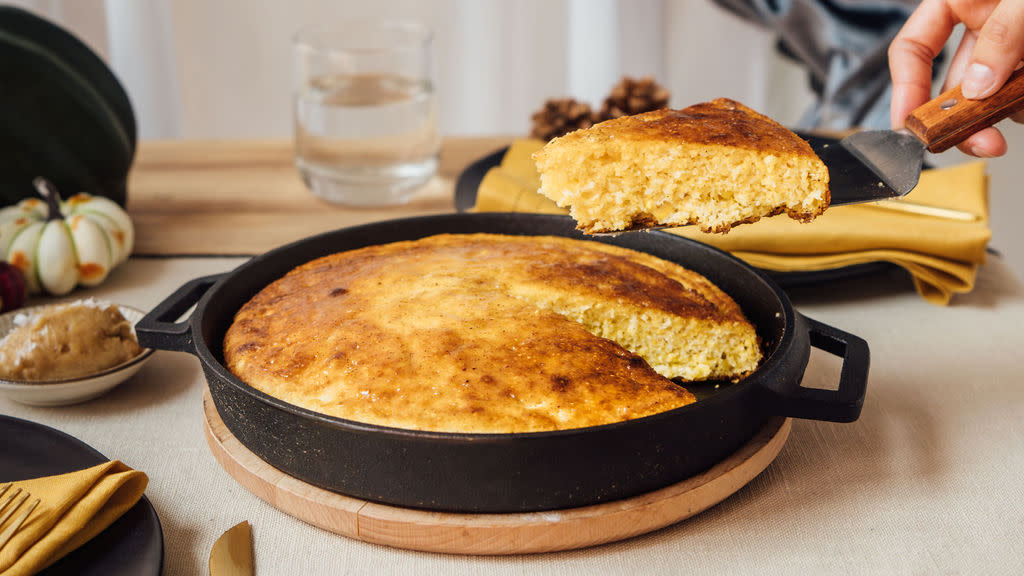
(724, 132)
(721, 122)
(439, 334)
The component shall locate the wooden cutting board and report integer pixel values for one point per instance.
(488, 534)
(245, 197)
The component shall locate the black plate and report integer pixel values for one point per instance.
(470, 178)
(133, 544)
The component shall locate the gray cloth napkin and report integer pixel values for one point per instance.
(843, 45)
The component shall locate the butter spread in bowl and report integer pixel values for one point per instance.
(65, 341)
(67, 353)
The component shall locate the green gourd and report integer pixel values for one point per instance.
(65, 116)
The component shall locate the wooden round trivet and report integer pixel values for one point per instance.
(491, 533)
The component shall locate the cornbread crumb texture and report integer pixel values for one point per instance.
(488, 333)
(716, 165)
(67, 341)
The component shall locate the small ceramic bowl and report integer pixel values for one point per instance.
(71, 390)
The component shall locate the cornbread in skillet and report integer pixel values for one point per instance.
(716, 164)
(488, 333)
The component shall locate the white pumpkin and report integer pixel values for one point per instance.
(59, 245)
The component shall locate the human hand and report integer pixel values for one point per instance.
(992, 47)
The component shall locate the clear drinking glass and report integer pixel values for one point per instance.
(365, 111)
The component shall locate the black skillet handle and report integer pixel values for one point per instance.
(844, 403)
(159, 328)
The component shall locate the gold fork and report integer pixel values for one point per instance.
(11, 503)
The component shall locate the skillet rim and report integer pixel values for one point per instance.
(782, 344)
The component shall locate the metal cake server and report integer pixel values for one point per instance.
(881, 164)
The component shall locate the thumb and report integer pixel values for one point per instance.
(998, 49)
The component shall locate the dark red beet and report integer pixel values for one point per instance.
(13, 290)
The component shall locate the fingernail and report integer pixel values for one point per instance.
(979, 81)
(975, 151)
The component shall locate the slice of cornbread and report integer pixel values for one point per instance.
(715, 164)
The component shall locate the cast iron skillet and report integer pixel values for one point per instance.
(511, 472)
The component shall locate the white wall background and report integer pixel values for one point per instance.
(221, 69)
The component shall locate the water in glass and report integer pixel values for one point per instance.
(366, 139)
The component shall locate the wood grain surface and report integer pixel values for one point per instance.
(491, 534)
(949, 118)
(245, 197)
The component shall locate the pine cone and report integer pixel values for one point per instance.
(631, 96)
(560, 116)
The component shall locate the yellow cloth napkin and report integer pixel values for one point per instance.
(73, 508)
(941, 254)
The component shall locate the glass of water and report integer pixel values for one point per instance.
(365, 112)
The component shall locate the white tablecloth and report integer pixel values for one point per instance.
(930, 480)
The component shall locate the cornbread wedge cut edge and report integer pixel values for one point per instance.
(715, 165)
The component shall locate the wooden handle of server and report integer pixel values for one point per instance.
(950, 119)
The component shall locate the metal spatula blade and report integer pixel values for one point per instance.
(891, 160)
(852, 177)
(895, 157)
